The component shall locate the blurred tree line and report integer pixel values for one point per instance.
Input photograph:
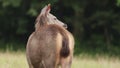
(94, 23)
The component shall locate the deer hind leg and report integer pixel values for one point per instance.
(50, 62)
(30, 65)
(29, 62)
(66, 62)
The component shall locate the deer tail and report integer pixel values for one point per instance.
(65, 51)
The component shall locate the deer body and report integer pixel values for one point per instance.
(49, 46)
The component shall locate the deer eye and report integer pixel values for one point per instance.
(55, 18)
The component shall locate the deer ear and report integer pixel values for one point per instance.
(48, 8)
(45, 10)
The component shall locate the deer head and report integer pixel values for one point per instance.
(46, 17)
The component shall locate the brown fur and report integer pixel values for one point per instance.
(49, 46)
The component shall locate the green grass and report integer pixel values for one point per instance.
(13, 60)
(96, 62)
(18, 60)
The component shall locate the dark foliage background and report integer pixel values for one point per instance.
(95, 24)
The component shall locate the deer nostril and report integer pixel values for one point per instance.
(65, 25)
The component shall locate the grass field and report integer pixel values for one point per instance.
(18, 60)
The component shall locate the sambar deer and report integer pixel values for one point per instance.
(50, 45)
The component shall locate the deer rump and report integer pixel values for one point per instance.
(47, 46)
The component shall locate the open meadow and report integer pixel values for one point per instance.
(18, 60)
